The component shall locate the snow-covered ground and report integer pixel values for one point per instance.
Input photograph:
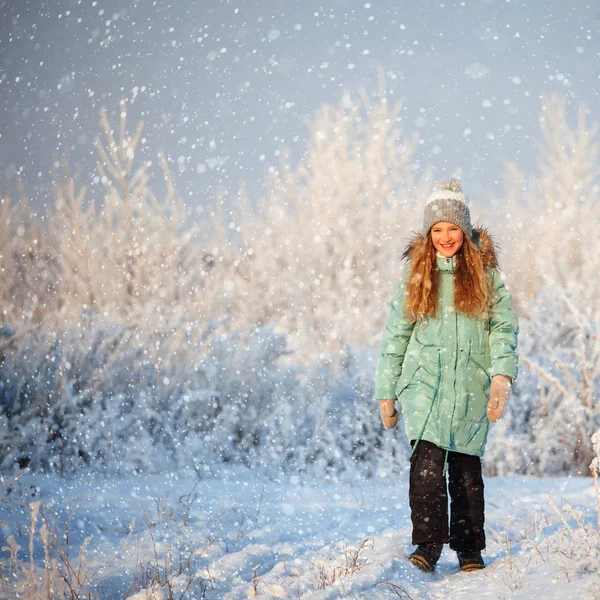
(240, 535)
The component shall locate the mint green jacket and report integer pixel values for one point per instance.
(440, 369)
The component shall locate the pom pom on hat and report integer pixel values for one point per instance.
(448, 189)
(449, 184)
(447, 203)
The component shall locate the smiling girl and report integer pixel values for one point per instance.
(448, 355)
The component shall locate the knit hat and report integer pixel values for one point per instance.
(447, 203)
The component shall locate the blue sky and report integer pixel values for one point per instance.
(223, 86)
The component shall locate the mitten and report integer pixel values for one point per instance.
(499, 395)
(388, 412)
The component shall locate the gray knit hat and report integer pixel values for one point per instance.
(447, 203)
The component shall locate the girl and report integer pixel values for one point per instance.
(448, 354)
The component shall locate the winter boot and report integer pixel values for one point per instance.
(470, 561)
(425, 557)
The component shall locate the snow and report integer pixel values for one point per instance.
(306, 539)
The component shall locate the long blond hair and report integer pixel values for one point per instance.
(472, 293)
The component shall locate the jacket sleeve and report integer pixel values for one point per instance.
(504, 330)
(393, 345)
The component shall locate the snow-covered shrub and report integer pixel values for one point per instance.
(350, 434)
(317, 258)
(116, 363)
(103, 397)
(67, 396)
(595, 470)
(320, 255)
(556, 405)
(551, 265)
(549, 222)
(246, 400)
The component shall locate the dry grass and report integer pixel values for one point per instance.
(397, 591)
(353, 562)
(59, 572)
(570, 551)
(61, 575)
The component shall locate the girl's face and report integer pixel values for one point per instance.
(447, 238)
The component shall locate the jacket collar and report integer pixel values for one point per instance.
(446, 265)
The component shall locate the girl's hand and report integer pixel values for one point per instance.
(499, 395)
(388, 412)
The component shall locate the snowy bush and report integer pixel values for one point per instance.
(103, 397)
(115, 364)
(551, 268)
(144, 339)
(556, 407)
(552, 214)
(354, 423)
(310, 258)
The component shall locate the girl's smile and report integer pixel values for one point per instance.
(447, 238)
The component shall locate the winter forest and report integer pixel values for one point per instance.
(191, 312)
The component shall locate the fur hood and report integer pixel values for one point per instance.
(481, 236)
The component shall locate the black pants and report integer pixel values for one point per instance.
(429, 498)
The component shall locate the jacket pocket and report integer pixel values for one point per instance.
(409, 371)
(474, 396)
(482, 374)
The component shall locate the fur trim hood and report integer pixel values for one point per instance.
(481, 237)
